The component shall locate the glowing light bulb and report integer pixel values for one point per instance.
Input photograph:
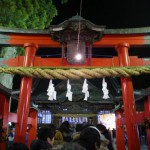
(78, 56)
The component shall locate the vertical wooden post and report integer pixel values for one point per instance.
(4, 111)
(147, 113)
(128, 100)
(148, 138)
(32, 133)
(89, 53)
(120, 141)
(24, 97)
(63, 53)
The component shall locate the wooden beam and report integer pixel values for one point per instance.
(12, 117)
(133, 40)
(57, 62)
(44, 40)
(15, 39)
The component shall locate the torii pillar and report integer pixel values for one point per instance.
(128, 100)
(4, 112)
(147, 113)
(24, 97)
(120, 141)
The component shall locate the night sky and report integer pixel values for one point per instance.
(112, 13)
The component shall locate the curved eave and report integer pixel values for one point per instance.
(141, 30)
(75, 115)
(5, 90)
(144, 94)
(101, 102)
(66, 24)
(21, 31)
(117, 107)
(111, 37)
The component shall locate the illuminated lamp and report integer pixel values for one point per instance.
(76, 36)
(76, 52)
(78, 56)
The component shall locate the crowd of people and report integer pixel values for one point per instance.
(83, 137)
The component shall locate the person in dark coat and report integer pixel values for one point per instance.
(66, 131)
(76, 134)
(114, 135)
(45, 139)
(106, 134)
(17, 146)
(72, 146)
(90, 138)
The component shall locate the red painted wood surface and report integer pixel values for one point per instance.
(147, 106)
(40, 40)
(140, 115)
(113, 40)
(148, 139)
(33, 128)
(4, 111)
(57, 62)
(128, 100)
(46, 41)
(24, 97)
(147, 112)
(12, 117)
(119, 130)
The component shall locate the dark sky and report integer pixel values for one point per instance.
(112, 13)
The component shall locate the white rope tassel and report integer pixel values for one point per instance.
(69, 93)
(51, 91)
(85, 89)
(105, 90)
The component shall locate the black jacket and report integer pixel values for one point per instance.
(40, 145)
(108, 137)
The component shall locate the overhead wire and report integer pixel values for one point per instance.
(79, 27)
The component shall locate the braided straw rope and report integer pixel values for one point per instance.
(76, 73)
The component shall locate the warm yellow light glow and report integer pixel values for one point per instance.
(78, 56)
(108, 120)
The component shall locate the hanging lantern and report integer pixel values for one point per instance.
(76, 54)
(76, 36)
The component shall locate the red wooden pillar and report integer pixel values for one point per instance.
(119, 130)
(147, 114)
(32, 133)
(148, 138)
(24, 97)
(4, 111)
(128, 100)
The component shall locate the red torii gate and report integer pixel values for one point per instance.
(32, 40)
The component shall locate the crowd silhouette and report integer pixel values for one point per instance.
(66, 137)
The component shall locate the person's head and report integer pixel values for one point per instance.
(90, 138)
(46, 134)
(79, 127)
(18, 146)
(52, 126)
(64, 127)
(72, 146)
(101, 128)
